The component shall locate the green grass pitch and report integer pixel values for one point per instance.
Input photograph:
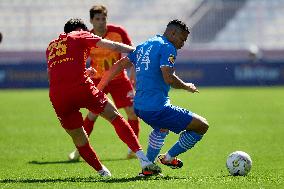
(34, 148)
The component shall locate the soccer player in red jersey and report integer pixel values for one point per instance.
(102, 60)
(70, 89)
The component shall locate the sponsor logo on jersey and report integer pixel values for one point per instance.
(172, 59)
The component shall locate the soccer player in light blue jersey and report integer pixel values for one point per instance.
(154, 61)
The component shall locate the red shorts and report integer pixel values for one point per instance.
(68, 101)
(121, 91)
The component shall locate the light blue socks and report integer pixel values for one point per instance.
(156, 141)
(186, 141)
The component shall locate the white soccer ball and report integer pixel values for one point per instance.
(239, 163)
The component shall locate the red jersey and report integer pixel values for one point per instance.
(66, 58)
(102, 59)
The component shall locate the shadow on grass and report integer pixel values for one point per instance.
(88, 179)
(68, 161)
(51, 162)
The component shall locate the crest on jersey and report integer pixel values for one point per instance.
(172, 59)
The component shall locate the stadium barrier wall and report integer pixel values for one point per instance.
(23, 75)
(33, 74)
(232, 74)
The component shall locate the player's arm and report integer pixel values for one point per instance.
(115, 69)
(132, 75)
(174, 81)
(127, 40)
(116, 46)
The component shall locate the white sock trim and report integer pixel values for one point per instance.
(144, 161)
(168, 157)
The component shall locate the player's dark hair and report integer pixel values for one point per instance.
(180, 24)
(73, 24)
(98, 9)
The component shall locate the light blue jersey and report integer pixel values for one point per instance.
(151, 101)
(148, 58)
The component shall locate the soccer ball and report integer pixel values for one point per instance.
(239, 163)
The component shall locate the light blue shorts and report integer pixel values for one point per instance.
(171, 117)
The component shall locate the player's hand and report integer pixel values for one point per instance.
(91, 72)
(191, 88)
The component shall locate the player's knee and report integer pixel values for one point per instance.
(130, 113)
(204, 126)
(132, 116)
(110, 117)
(80, 141)
(198, 124)
(110, 112)
(78, 136)
(92, 116)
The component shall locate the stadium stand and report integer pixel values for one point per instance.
(227, 24)
(31, 24)
(258, 22)
(217, 54)
(213, 17)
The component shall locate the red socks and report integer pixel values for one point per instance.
(125, 133)
(88, 126)
(90, 156)
(135, 126)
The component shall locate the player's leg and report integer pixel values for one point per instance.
(132, 119)
(193, 133)
(134, 123)
(98, 103)
(88, 127)
(89, 121)
(84, 148)
(156, 142)
(121, 127)
(158, 135)
(91, 118)
(122, 94)
(71, 123)
(127, 135)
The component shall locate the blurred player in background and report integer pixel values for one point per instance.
(254, 54)
(1, 37)
(154, 62)
(71, 89)
(102, 60)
